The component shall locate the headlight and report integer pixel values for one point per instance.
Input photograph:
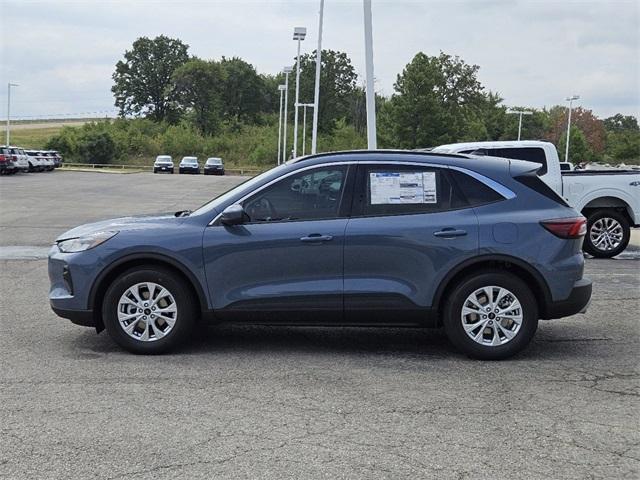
(80, 244)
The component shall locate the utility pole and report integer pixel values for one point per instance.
(372, 143)
(9, 85)
(298, 34)
(520, 113)
(316, 93)
(304, 124)
(286, 71)
(570, 100)
(281, 88)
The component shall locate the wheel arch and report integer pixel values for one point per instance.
(523, 270)
(109, 274)
(612, 201)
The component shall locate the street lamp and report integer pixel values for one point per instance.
(286, 71)
(520, 112)
(316, 91)
(372, 142)
(570, 100)
(304, 124)
(281, 88)
(9, 85)
(298, 34)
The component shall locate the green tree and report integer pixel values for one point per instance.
(621, 123)
(199, 87)
(434, 99)
(243, 93)
(143, 79)
(96, 147)
(337, 84)
(579, 149)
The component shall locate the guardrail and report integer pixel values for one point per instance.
(147, 168)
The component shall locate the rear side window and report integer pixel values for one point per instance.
(475, 192)
(531, 154)
(537, 184)
(403, 190)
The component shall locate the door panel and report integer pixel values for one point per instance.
(272, 272)
(394, 261)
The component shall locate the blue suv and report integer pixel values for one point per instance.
(370, 238)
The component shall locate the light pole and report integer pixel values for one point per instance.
(298, 34)
(304, 124)
(281, 88)
(9, 85)
(372, 142)
(316, 91)
(286, 71)
(570, 100)
(520, 113)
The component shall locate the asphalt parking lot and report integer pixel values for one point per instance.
(275, 402)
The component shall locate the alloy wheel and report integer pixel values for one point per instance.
(606, 234)
(147, 311)
(491, 316)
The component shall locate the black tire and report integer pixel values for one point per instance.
(185, 303)
(597, 252)
(453, 311)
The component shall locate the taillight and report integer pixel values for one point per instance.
(574, 227)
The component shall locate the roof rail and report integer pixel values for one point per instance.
(420, 152)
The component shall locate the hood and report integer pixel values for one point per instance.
(120, 224)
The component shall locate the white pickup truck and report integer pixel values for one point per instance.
(609, 199)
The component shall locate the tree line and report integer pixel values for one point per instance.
(436, 100)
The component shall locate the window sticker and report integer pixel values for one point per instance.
(402, 187)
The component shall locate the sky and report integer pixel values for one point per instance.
(534, 53)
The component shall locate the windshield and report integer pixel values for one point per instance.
(214, 161)
(189, 160)
(163, 159)
(223, 198)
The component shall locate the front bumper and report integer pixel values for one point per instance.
(214, 171)
(577, 302)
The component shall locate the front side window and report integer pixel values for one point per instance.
(308, 195)
(401, 190)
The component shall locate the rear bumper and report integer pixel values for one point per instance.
(84, 318)
(577, 302)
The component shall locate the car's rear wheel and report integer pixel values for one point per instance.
(491, 315)
(608, 233)
(149, 310)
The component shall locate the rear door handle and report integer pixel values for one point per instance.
(450, 233)
(316, 238)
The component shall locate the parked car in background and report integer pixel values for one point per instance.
(189, 165)
(57, 158)
(163, 163)
(50, 158)
(37, 161)
(7, 161)
(22, 159)
(377, 238)
(609, 199)
(214, 166)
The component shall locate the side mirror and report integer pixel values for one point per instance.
(233, 215)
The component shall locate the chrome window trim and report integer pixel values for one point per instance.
(498, 187)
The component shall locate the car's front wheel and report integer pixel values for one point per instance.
(149, 310)
(608, 234)
(491, 316)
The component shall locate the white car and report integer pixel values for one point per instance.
(609, 199)
(189, 165)
(22, 159)
(163, 163)
(36, 161)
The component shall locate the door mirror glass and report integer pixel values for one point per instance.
(233, 215)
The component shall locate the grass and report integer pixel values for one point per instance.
(33, 138)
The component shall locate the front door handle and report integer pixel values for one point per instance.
(450, 233)
(316, 238)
